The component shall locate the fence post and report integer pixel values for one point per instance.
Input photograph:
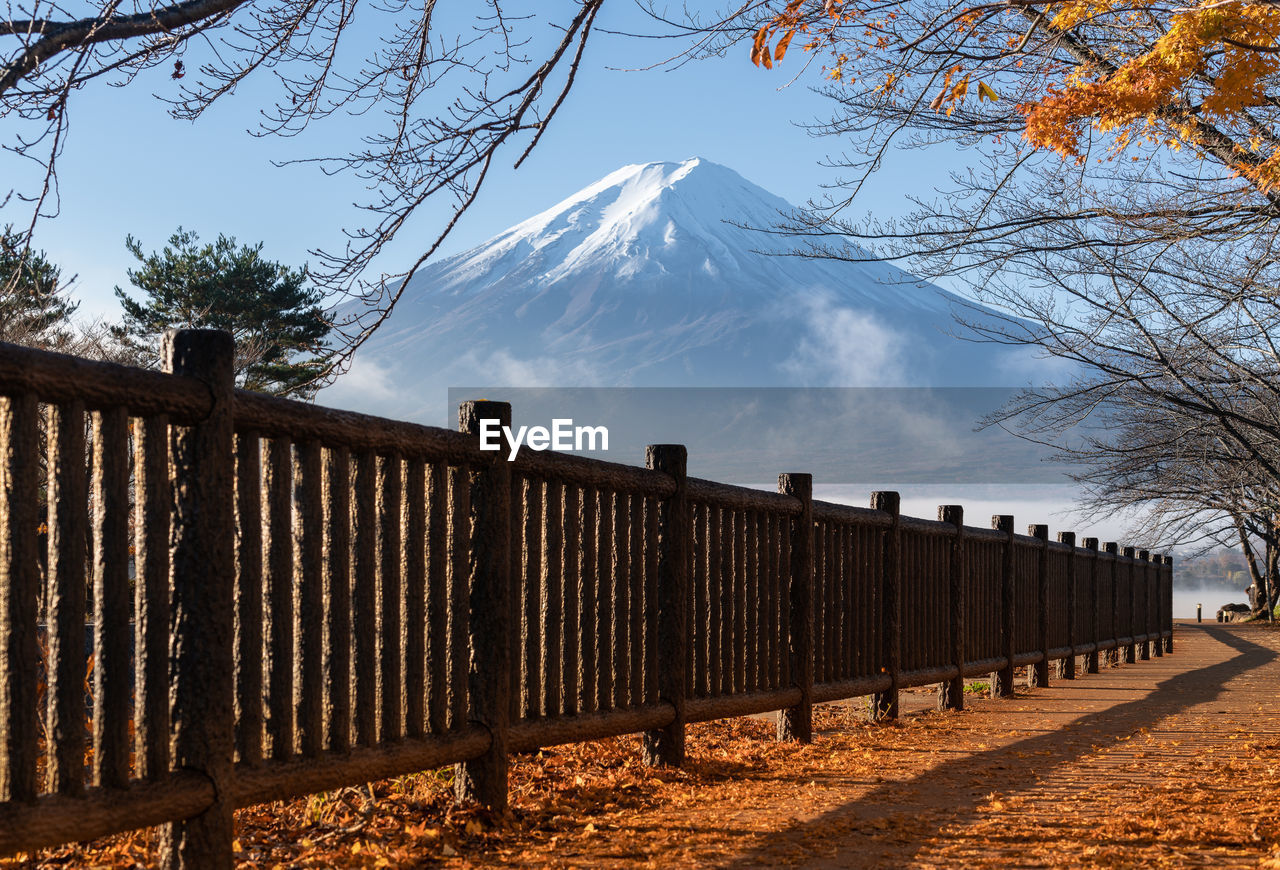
(1067, 667)
(1156, 591)
(665, 746)
(1167, 603)
(951, 692)
(884, 705)
(1091, 658)
(1144, 649)
(201, 583)
(484, 779)
(796, 723)
(1130, 649)
(1113, 654)
(1038, 674)
(1002, 680)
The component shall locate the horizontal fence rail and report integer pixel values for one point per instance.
(210, 599)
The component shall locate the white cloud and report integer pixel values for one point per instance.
(845, 347)
(368, 387)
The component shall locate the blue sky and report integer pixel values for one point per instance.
(129, 168)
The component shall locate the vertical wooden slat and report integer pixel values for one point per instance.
(699, 611)
(68, 500)
(437, 597)
(785, 676)
(151, 596)
(1168, 602)
(518, 484)
(691, 605)
(1144, 605)
(364, 609)
(636, 600)
(112, 689)
(822, 603)
(751, 579)
(390, 600)
(621, 600)
(531, 594)
(414, 535)
(776, 591)
(849, 578)
(831, 605)
(552, 617)
(277, 528)
(848, 575)
(458, 654)
(725, 579)
(869, 645)
(846, 607)
(337, 595)
(1156, 601)
(587, 602)
(19, 597)
(248, 599)
(572, 524)
(652, 559)
(840, 612)
(739, 601)
(714, 625)
(765, 678)
(1131, 597)
(604, 602)
(308, 598)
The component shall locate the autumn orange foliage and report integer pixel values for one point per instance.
(1182, 76)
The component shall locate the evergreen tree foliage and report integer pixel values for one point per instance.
(34, 308)
(276, 319)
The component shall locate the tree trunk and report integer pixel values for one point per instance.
(1251, 560)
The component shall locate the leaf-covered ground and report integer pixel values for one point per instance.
(1170, 762)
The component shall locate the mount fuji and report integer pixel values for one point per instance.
(649, 277)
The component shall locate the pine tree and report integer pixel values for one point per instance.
(277, 321)
(34, 309)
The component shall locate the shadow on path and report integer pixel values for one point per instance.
(956, 783)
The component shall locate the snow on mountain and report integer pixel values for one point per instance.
(649, 278)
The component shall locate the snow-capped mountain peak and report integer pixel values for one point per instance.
(654, 275)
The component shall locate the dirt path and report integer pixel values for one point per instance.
(1172, 762)
(1167, 762)
(1056, 775)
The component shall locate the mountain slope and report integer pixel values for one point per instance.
(648, 278)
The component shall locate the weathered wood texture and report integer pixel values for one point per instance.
(201, 580)
(325, 598)
(884, 704)
(1002, 680)
(484, 779)
(68, 533)
(665, 746)
(796, 723)
(951, 692)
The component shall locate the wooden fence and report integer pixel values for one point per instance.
(322, 599)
